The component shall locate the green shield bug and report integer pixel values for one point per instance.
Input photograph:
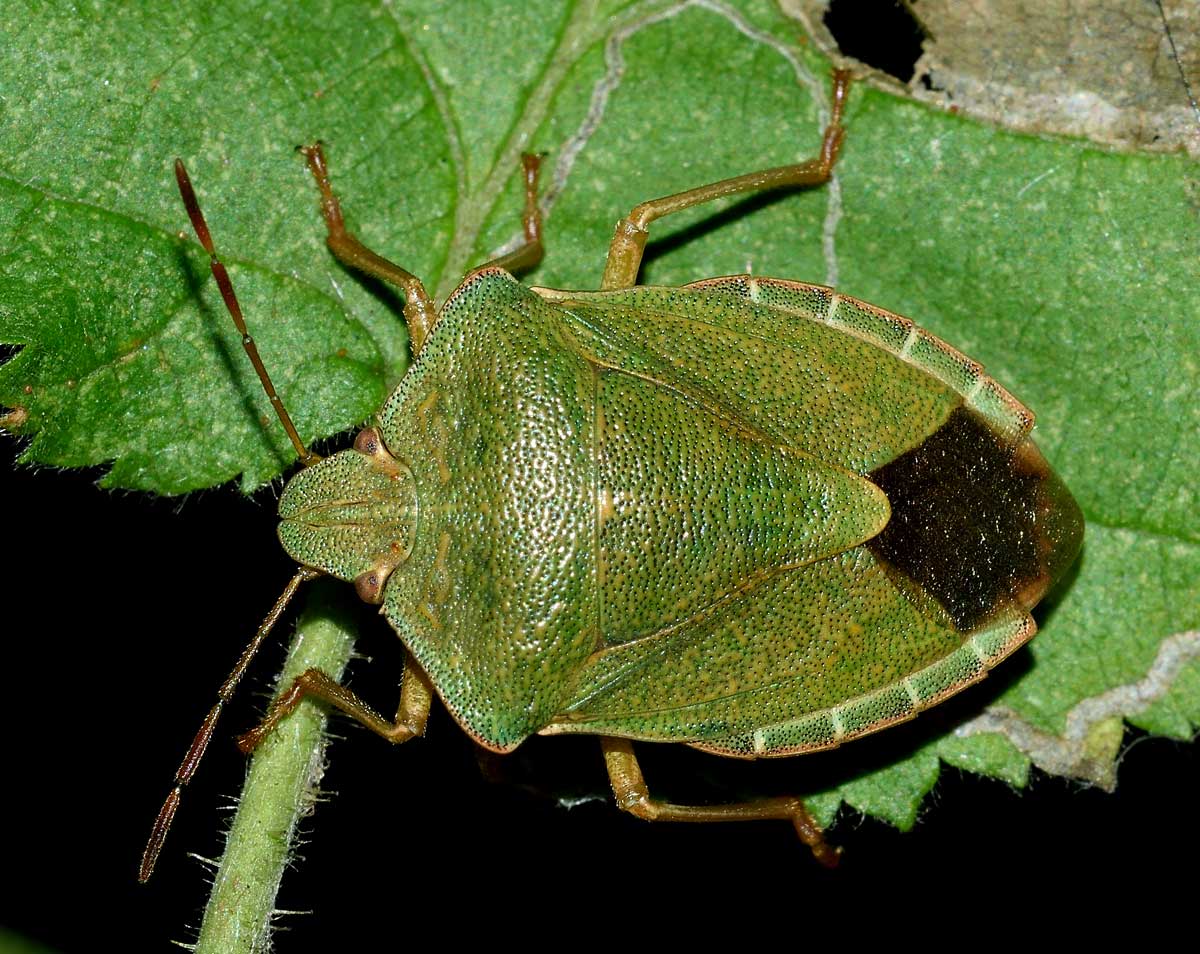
(749, 515)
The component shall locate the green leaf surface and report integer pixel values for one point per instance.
(11, 943)
(1069, 271)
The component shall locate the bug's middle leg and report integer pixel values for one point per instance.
(633, 796)
(416, 697)
(629, 242)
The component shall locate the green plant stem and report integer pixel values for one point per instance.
(279, 789)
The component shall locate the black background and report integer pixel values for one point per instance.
(125, 612)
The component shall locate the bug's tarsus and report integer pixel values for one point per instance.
(831, 142)
(192, 205)
(530, 252)
(195, 752)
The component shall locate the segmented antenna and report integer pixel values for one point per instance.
(307, 457)
(195, 752)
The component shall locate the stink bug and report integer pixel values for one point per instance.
(749, 515)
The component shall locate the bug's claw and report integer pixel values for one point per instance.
(811, 834)
(828, 856)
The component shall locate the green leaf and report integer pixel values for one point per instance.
(1067, 269)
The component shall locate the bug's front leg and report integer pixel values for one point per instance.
(416, 696)
(419, 310)
(633, 796)
(629, 242)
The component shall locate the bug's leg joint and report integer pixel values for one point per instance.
(637, 801)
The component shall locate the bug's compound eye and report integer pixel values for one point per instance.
(369, 442)
(369, 584)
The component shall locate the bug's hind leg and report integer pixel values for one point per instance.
(419, 310)
(629, 242)
(416, 696)
(629, 787)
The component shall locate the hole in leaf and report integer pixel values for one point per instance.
(881, 33)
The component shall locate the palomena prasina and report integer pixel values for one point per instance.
(749, 515)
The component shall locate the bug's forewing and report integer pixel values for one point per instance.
(807, 660)
(784, 373)
(803, 657)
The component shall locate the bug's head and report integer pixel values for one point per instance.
(352, 515)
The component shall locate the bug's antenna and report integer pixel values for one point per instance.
(190, 202)
(187, 768)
